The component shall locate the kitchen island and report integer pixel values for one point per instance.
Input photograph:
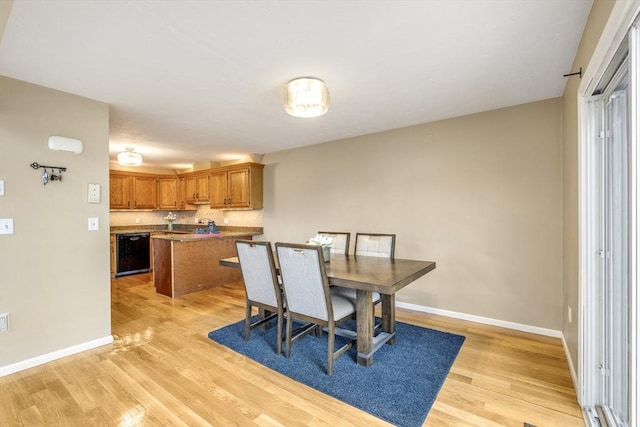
(186, 263)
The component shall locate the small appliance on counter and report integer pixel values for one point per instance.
(211, 228)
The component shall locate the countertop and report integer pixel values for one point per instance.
(185, 229)
(192, 237)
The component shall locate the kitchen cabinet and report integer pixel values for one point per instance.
(151, 252)
(197, 188)
(119, 191)
(182, 195)
(236, 187)
(168, 193)
(187, 264)
(230, 187)
(132, 191)
(144, 192)
(112, 246)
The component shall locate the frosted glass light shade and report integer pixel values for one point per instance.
(129, 158)
(306, 97)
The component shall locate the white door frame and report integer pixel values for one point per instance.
(620, 22)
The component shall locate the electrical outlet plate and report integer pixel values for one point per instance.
(1, 187)
(93, 223)
(6, 226)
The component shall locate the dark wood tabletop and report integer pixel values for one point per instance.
(382, 275)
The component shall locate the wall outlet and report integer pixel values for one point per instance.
(6, 226)
(569, 314)
(1, 187)
(137, 220)
(226, 220)
(4, 322)
(93, 224)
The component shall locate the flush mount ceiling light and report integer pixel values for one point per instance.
(306, 97)
(129, 158)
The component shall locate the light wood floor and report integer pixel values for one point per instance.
(163, 370)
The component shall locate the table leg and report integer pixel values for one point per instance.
(389, 316)
(364, 316)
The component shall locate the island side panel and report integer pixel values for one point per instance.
(162, 267)
(196, 264)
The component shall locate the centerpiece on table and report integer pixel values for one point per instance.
(326, 242)
(170, 218)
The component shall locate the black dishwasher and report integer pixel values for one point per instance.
(132, 253)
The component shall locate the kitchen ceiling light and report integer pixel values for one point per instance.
(129, 158)
(306, 97)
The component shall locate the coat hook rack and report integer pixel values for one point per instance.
(579, 73)
(46, 177)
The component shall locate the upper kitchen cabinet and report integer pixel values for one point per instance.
(197, 187)
(119, 191)
(131, 191)
(236, 187)
(182, 195)
(168, 192)
(144, 192)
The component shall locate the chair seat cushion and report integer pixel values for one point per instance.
(342, 306)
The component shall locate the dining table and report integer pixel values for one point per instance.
(368, 274)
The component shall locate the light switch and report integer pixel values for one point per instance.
(6, 226)
(1, 187)
(93, 223)
(94, 193)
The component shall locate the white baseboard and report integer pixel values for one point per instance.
(39, 360)
(572, 369)
(484, 320)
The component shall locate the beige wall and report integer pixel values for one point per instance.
(54, 273)
(480, 195)
(597, 20)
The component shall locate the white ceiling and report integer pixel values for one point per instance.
(190, 81)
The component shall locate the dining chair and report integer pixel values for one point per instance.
(261, 284)
(342, 247)
(340, 241)
(309, 298)
(375, 244)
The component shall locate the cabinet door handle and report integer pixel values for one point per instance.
(135, 204)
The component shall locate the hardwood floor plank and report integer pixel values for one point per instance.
(163, 370)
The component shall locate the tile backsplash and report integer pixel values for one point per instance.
(251, 218)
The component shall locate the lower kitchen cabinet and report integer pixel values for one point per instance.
(112, 244)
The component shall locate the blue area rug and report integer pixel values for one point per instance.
(399, 387)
